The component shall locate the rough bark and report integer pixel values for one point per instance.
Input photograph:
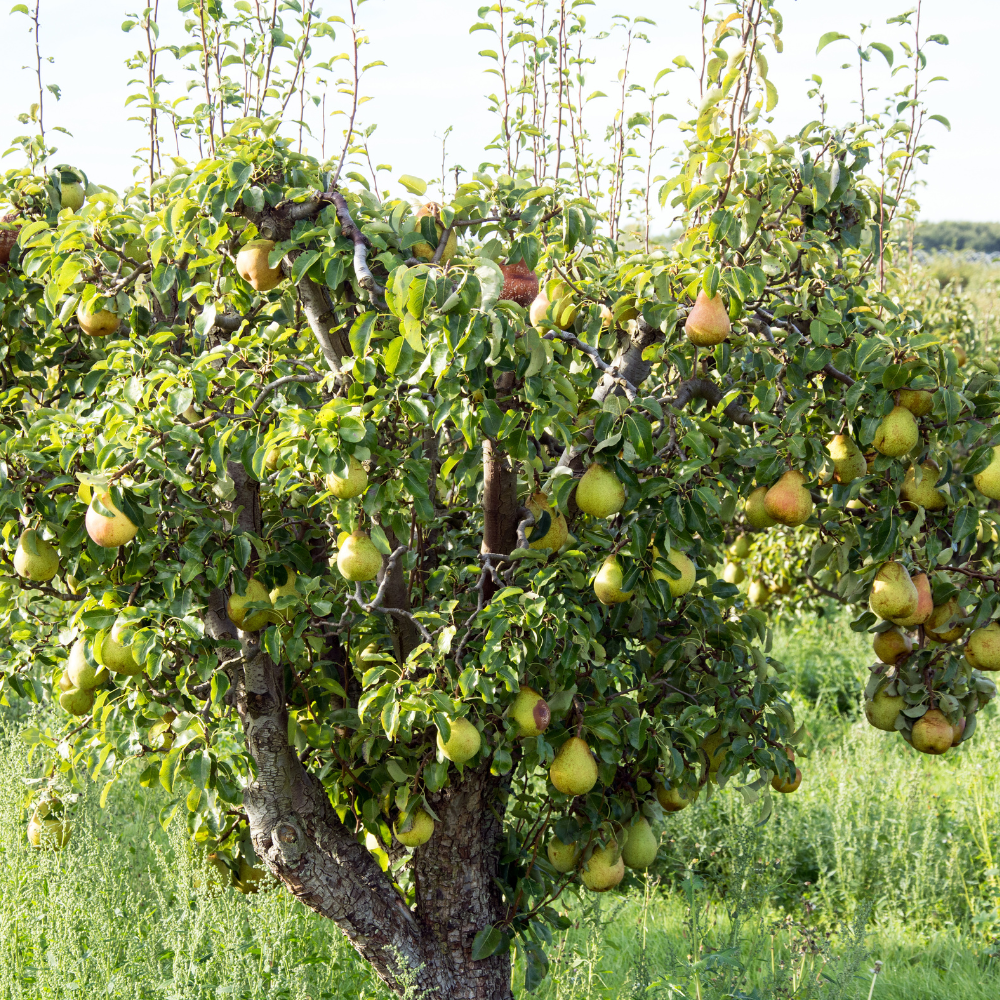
(299, 836)
(628, 362)
(405, 637)
(499, 490)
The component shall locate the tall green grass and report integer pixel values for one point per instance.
(882, 854)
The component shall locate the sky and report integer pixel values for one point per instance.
(434, 80)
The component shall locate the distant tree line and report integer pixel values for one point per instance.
(980, 236)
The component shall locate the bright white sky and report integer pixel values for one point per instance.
(434, 78)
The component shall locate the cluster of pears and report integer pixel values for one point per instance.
(758, 593)
(48, 825)
(555, 303)
(84, 674)
(254, 619)
(907, 602)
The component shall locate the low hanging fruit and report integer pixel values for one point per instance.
(34, 558)
(464, 742)
(919, 402)
(600, 492)
(782, 783)
(108, 531)
(562, 857)
(923, 492)
(788, 501)
(678, 587)
(353, 485)
(236, 607)
(707, 323)
(530, 712)
(935, 628)
(97, 323)
(557, 532)
(574, 770)
(84, 674)
(988, 481)
(883, 709)
(982, 650)
(892, 646)
(677, 797)
(925, 603)
(932, 732)
(286, 589)
(358, 560)
(48, 832)
(252, 266)
(608, 583)
(755, 510)
(640, 849)
(77, 701)
(604, 870)
(417, 830)
(893, 594)
(115, 655)
(848, 459)
(897, 434)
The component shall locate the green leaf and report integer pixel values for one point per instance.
(413, 184)
(944, 121)
(487, 942)
(361, 333)
(302, 264)
(830, 36)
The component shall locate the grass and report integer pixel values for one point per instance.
(882, 854)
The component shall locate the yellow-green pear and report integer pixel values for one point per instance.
(34, 558)
(77, 701)
(918, 401)
(353, 485)
(72, 195)
(574, 771)
(758, 593)
(925, 603)
(732, 572)
(530, 712)
(108, 532)
(897, 434)
(923, 493)
(982, 650)
(48, 831)
(782, 783)
(987, 532)
(600, 492)
(96, 322)
(640, 849)
(709, 747)
(988, 481)
(882, 710)
(740, 549)
(788, 501)
(417, 830)
(115, 655)
(556, 536)
(755, 510)
(236, 607)
(932, 733)
(84, 676)
(892, 645)
(707, 323)
(423, 249)
(848, 459)
(608, 582)
(604, 870)
(463, 743)
(893, 593)
(562, 857)
(538, 309)
(358, 559)
(677, 797)
(252, 266)
(934, 626)
(688, 571)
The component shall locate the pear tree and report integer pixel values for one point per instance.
(390, 538)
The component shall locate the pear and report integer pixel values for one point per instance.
(253, 268)
(756, 512)
(988, 481)
(249, 878)
(108, 532)
(898, 433)
(608, 583)
(960, 356)
(893, 593)
(788, 501)
(604, 870)
(925, 603)
(65, 684)
(640, 849)
(740, 549)
(115, 655)
(923, 493)
(918, 401)
(84, 675)
(987, 532)
(97, 322)
(708, 322)
(882, 710)
(957, 732)
(77, 701)
(932, 732)
(72, 195)
(520, 283)
(253, 621)
(709, 747)
(417, 830)
(34, 558)
(758, 593)
(555, 537)
(848, 459)
(287, 589)
(562, 857)
(676, 798)
(600, 492)
(538, 309)
(982, 651)
(892, 646)
(733, 573)
(463, 743)
(358, 559)
(574, 771)
(423, 249)
(782, 783)
(688, 570)
(530, 712)
(941, 614)
(354, 485)
(48, 832)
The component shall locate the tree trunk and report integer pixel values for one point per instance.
(301, 840)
